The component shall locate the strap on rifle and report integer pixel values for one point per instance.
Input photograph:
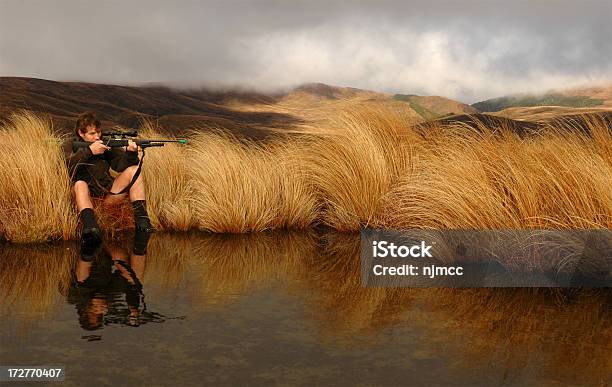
(137, 283)
(127, 187)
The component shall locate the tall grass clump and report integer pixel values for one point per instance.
(168, 184)
(299, 203)
(486, 179)
(355, 162)
(35, 196)
(243, 186)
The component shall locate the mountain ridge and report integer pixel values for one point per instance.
(241, 111)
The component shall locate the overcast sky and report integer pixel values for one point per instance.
(467, 50)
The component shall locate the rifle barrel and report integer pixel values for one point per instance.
(181, 141)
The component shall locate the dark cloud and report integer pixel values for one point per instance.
(468, 50)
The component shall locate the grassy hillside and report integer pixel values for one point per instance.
(550, 99)
(433, 107)
(421, 110)
(548, 113)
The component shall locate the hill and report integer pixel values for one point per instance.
(548, 99)
(551, 104)
(253, 114)
(176, 111)
(243, 112)
(433, 107)
(547, 113)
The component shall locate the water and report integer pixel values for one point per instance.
(283, 308)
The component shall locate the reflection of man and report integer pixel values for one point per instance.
(103, 277)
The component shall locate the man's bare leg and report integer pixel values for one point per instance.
(81, 192)
(91, 231)
(137, 197)
(137, 191)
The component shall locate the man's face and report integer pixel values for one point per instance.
(96, 311)
(91, 134)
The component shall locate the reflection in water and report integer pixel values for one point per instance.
(223, 266)
(564, 334)
(30, 277)
(107, 285)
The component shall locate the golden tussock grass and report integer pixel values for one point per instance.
(35, 201)
(242, 186)
(357, 169)
(168, 185)
(354, 162)
(478, 179)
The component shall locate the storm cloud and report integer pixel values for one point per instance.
(468, 50)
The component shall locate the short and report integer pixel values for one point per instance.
(96, 190)
(98, 187)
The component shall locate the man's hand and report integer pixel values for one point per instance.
(132, 147)
(98, 147)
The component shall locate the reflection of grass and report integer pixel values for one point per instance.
(366, 168)
(30, 278)
(341, 304)
(569, 330)
(227, 265)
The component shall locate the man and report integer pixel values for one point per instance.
(89, 170)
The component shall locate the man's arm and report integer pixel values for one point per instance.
(73, 159)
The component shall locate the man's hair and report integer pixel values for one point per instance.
(86, 119)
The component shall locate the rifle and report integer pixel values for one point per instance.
(120, 140)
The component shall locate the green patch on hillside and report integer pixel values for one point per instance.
(551, 99)
(421, 110)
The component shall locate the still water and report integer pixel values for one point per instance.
(282, 308)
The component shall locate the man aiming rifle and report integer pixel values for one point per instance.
(89, 157)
